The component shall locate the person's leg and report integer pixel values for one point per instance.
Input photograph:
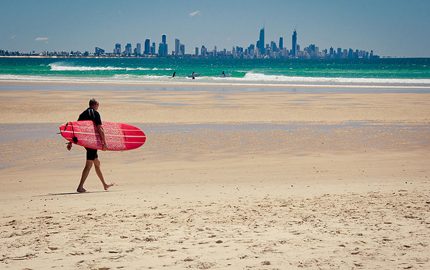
(85, 172)
(100, 174)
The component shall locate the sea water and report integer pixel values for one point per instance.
(412, 71)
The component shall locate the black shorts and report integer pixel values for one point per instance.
(91, 154)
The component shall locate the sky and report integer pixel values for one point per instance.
(395, 28)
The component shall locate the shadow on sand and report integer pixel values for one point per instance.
(73, 193)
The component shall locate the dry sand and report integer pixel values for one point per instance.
(226, 180)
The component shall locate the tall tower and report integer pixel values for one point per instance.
(117, 49)
(177, 46)
(128, 49)
(147, 47)
(163, 40)
(294, 44)
(261, 43)
(281, 43)
(138, 49)
(162, 47)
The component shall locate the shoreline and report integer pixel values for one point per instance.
(70, 81)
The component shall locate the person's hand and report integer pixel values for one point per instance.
(69, 146)
(104, 147)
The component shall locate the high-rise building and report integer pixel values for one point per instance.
(138, 49)
(350, 53)
(294, 44)
(177, 46)
(281, 43)
(127, 49)
(273, 47)
(147, 49)
(182, 49)
(339, 53)
(162, 47)
(203, 51)
(117, 49)
(153, 48)
(196, 51)
(260, 43)
(251, 50)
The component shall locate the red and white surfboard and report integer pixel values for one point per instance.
(119, 136)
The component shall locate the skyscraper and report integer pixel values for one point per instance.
(261, 43)
(153, 48)
(117, 49)
(162, 48)
(182, 49)
(127, 49)
(138, 49)
(147, 47)
(294, 44)
(203, 51)
(281, 43)
(177, 46)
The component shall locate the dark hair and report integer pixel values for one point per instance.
(93, 102)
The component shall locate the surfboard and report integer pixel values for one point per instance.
(119, 136)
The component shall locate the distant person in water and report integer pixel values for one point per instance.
(193, 75)
(92, 157)
(223, 74)
(174, 74)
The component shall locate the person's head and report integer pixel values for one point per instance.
(94, 104)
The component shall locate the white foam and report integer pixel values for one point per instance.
(257, 80)
(139, 77)
(259, 77)
(62, 67)
(59, 67)
(161, 68)
(28, 78)
(139, 68)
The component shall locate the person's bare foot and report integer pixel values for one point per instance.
(107, 186)
(81, 190)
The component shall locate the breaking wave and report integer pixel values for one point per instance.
(62, 67)
(259, 77)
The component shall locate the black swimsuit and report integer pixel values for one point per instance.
(93, 115)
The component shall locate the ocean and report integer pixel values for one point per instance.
(377, 71)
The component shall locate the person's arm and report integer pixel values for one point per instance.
(69, 145)
(102, 136)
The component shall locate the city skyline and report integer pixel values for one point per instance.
(392, 28)
(259, 50)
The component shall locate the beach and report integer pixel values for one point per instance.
(232, 176)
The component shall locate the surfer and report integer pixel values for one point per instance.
(174, 74)
(92, 157)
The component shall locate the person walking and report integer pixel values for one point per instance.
(92, 158)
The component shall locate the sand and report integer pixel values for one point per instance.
(228, 179)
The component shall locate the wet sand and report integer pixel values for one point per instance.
(226, 180)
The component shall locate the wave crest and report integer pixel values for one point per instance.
(62, 67)
(259, 77)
